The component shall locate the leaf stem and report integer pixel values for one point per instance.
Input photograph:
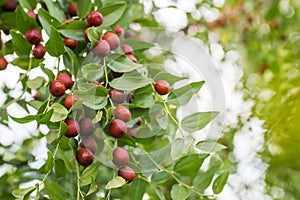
(105, 72)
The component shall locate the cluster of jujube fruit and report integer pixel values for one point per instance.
(63, 83)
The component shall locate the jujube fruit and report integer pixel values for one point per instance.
(102, 48)
(72, 44)
(33, 36)
(118, 30)
(86, 126)
(112, 39)
(127, 173)
(120, 156)
(131, 57)
(10, 5)
(131, 132)
(85, 34)
(122, 113)
(127, 49)
(94, 18)
(32, 14)
(66, 79)
(72, 9)
(117, 96)
(3, 63)
(65, 21)
(72, 128)
(90, 144)
(57, 88)
(162, 87)
(70, 100)
(39, 51)
(117, 128)
(84, 157)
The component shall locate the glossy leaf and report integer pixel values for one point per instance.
(93, 97)
(116, 182)
(92, 71)
(24, 22)
(129, 82)
(73, 29)
(204, 179)
(47, 20)
(220, 182)
(112, 13)
(197, 121)
(137, 189)
(35, 83)
(55, 46)
(60, 112)
(88, 174)
(29, 4)
(190, 164)
(183, 95)
(55, 10)
(167, 76)
(20, 44)
(48, 164)
(178, 148)
(22, 192)
(210, 146)
(123, 64)
(55, 191)
(179, 192)
(83, 8)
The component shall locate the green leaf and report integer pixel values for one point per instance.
(123, 64)
(210, 146)
(144, 97)
(55, 10)
(83, 8)
(24, 63)
(162, 178)
(94, 36)
(48, 72)
(44, 118)
(178, 148)
(59, 168)
(8, 20)
(73, 60)
(73, 29)
(20, 44)
(197, 121)
(60, 112)
(220, 182)
(94, 97)
(21, 193)
(89, 174)
(158, 114)
(47, 20)
(92, 71)
(137, 189)
(179, 192)
(23, 120)
(93, 188)
(55, 191)
(55, 46)
(169, 77)
(48, 164)
(130, 82)
(138, 44)
(35, 83)
(160, 193)
(116, 182)
(183, 95)
(203, 179)
(190, 164)
(24, 22)
(128, 140)
(29, 4)
(112, 13)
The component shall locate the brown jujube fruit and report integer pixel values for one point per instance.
(84, 157)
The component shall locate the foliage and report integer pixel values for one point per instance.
(163, 170)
